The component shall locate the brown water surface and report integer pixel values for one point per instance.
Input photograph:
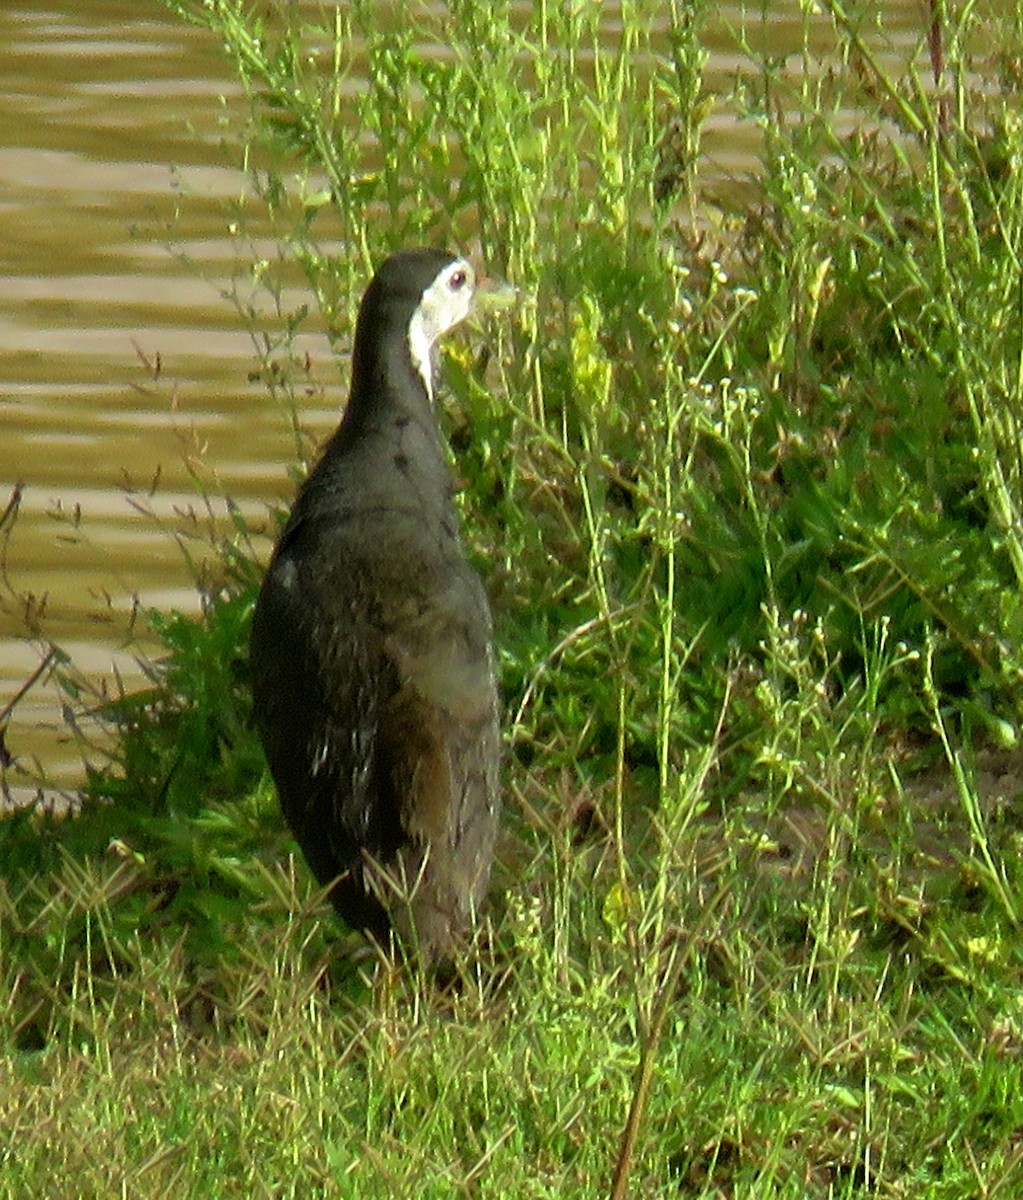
(116, 186)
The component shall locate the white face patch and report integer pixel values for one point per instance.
(444, 303)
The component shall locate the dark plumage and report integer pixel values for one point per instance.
(372, 662)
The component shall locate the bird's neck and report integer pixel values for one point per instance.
(386, 376)
(390, 424)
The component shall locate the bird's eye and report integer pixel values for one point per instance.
(457, 281)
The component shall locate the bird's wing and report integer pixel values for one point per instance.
(439, 738)
(319, 677)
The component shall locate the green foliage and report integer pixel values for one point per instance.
(173, 835)
(185, 740)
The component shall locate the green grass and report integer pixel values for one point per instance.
(748, 505)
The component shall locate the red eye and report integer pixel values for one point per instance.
(457, 281)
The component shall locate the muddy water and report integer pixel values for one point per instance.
(121, 362)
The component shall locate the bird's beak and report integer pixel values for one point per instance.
(494, 295)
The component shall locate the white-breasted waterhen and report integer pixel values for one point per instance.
(371, 655)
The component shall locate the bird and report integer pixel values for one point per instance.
(372, 657)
